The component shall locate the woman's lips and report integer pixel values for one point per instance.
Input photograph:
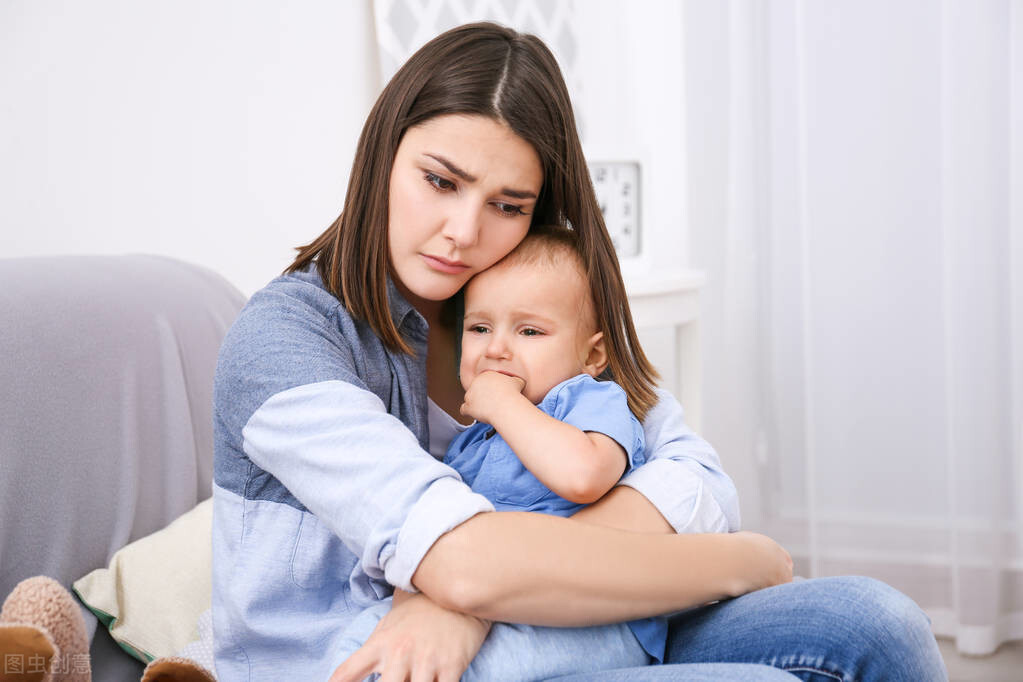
(449, 267)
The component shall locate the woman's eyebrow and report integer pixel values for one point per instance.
(518, 193)
(455, 170)
(452, 167)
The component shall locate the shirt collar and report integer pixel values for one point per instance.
(403, 312)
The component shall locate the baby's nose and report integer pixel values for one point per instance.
(497, 347)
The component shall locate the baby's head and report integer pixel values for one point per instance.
(531, 315)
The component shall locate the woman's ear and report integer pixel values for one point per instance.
(596, 355)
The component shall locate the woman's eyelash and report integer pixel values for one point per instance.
(440, 184)
(510, 209)
(444, 185)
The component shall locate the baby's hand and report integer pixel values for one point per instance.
(488, 393)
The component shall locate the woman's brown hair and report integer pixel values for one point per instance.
(487, 70)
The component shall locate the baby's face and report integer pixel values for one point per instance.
(530, 320)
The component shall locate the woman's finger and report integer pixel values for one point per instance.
(449, 675)
(423, 673)
(398, 671)
(356, 667)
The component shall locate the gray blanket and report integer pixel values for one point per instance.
(106, 368)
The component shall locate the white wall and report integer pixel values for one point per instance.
(217, 132)
(222, 132)
(632, 104)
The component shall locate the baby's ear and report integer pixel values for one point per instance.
(595, 361)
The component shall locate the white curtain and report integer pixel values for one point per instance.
(856, 199)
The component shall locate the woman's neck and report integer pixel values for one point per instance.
(442, 382)
(442, 370)
(431, 312)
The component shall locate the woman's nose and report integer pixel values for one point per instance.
(462, 227)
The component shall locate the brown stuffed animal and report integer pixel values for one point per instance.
(42, 634)
(42, 639)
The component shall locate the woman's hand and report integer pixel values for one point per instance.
(416, 640)
(768, 562)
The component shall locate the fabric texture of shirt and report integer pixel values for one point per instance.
(325, 491)
(488, 464)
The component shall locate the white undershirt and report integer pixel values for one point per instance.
(443, 429)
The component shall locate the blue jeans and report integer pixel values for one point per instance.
(848, 628)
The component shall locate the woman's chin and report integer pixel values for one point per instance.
(440, 290)
(434, 293)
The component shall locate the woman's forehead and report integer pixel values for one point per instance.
(475, 145)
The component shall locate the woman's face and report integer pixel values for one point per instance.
(461, 197)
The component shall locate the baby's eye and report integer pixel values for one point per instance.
(531, 332)
(439, 183)
(509, 209)
(477, 329)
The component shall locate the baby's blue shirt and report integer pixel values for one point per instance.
(489, 466)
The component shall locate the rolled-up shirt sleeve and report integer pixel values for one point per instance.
(683, 476)
(299, 406)
(362, 472)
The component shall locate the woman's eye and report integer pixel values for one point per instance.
(439, 183)
(509, 209)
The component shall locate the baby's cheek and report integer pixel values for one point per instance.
(534, 392)
(465, 371)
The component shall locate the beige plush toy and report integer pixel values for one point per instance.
(42, 639)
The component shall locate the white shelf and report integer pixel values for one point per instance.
(666, 312)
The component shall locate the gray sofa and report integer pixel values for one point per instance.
(106, 369)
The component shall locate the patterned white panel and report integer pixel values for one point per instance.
(403, 26)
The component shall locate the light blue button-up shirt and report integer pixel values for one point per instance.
(325, 492)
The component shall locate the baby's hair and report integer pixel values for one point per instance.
(556, 246)
(546, 244)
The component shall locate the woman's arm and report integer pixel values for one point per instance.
(683, 477)
(306, 422)
(682, 487)
(546, 570)
(625, 508)
(557, 562)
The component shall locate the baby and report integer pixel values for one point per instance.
(549, 437)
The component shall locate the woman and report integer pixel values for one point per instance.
(325, 495)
